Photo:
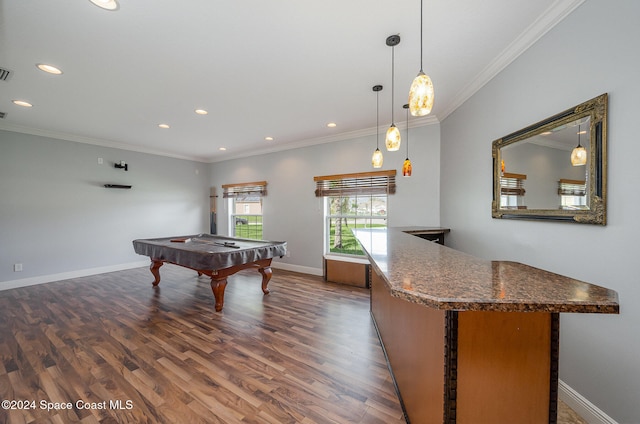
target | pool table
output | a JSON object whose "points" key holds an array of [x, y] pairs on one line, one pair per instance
{"points": [[215, 256]]}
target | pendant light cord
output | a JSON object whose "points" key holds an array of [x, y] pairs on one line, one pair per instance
{"points": [[377, 119], [579, 135], [421, 36], [393, 61], [407, 132]]}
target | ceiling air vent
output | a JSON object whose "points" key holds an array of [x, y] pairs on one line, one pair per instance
{"points": [[5, 74]]}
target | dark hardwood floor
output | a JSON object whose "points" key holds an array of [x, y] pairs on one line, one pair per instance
{"points": [[115, 350], [306, 353]]}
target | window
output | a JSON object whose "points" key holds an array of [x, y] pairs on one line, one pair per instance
{"points": [[245, 208], [572, 194], [512, 191], [353, 201]]}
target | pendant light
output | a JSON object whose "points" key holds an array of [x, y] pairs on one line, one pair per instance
{"points": [[406, 166], [393, 133], [376, 159], [579, 153], [421, 92]]}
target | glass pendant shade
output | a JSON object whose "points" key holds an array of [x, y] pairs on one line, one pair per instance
{"points": [[579, 156], [421, 95], [376, 159], [406, 168], [393, 138]]}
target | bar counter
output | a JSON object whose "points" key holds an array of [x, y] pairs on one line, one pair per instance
{"points": [[443, 278], [470, 340]]}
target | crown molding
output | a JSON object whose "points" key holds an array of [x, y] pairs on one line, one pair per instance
{"points": [[94, 141], [549, 19], [414, 123], [350, 135]]}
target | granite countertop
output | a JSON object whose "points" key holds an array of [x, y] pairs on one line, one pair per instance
{"points": [[427, 273]]}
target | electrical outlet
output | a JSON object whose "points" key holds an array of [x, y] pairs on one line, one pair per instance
{"points": [[17, 267], [100, 161], [288, 254]]}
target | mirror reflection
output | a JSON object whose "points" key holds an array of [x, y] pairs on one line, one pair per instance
{"points": [[548, 170], [555, 169]]}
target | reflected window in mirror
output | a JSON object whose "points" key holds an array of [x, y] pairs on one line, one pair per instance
{"points": [[512, 191], [573, 194]]}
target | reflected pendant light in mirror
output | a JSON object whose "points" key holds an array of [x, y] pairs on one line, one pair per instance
{"points": [[393, 133], [376, 159], [579, 153], [406, 166], [421, 93]]}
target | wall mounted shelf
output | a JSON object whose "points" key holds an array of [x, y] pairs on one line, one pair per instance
{"points": [[117, 186]]}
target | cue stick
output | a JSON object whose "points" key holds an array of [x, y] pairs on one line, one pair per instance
{"points": [[233, 246]]}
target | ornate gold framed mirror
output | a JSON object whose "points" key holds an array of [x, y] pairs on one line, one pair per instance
{"points": [[555, 169]]}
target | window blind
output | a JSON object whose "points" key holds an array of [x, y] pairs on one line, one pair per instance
{"points": [[258, 188], [364, 183], [572, 188], [512, 184]]}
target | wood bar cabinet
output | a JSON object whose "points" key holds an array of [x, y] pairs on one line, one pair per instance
{"points": [[471, 341]]}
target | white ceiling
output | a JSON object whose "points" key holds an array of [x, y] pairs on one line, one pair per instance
{"points": [[280, 68]]}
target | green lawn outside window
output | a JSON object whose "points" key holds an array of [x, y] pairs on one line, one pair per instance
{"points": [[248, 226]]}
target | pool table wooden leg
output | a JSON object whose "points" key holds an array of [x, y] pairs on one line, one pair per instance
{"points": [[266, 276], [218, 286], [155, 270]]}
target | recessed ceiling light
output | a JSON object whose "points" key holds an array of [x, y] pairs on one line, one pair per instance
{"points": [[106, 4], [332, 125], [22, 103], [201, 112], [269, 138], [164, 126], [50, 69], [222, 148]]}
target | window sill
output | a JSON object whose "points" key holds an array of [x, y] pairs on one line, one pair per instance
{"points": [[341, 258]]}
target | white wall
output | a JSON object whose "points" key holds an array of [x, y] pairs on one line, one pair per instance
{"points": [[293, 214], [57, 217], [593, 51]]}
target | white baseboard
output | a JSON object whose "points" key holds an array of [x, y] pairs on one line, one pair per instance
{"points": [[587, 410], [32, 281], [297, 268], [24, 282]]}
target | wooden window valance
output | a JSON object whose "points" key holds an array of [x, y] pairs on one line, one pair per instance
{"points": [[363, 183], [512, 184], [258, 188]]}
